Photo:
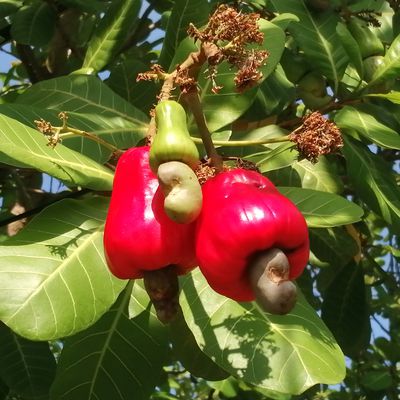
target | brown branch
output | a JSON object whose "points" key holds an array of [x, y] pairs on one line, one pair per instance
{"points": [[34, 69]]}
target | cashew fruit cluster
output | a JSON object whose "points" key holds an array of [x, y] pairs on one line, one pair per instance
{"points": [[249, 240]]}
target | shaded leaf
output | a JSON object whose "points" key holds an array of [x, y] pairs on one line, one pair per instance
{"points": [[345, 309], [316, 36], [54, 279], [183, 13], [4, 390], [321, 209], [333, 246], [116, 358], [351, 47], [351, 118], [110, 32], [190, 355], [374, 182], [33, 24], [28, 368], [280, 157], [377, 380], [283, 353], [83, 94], [8, 7], [32, 151]]}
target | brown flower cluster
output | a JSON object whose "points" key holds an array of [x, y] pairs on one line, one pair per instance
{"points": [[316, 136], [231, 32], [51, 133]]}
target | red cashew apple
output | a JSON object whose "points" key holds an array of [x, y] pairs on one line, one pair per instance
{"points": [[251, 241]]}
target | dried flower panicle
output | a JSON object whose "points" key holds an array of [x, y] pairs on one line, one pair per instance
{"points": [[52, 134], [230, 31], [370, 17], [316, 136], [156, 72]]}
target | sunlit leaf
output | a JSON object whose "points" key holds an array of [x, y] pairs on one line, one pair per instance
{"points": [[54, 279], [284, 353], [393, 96], [316, 36], [322, 209], [116, 358], [110, 33], [351, 118]]}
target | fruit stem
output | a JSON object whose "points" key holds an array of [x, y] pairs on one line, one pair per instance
{"points": [[238, 143], [193, 100]]}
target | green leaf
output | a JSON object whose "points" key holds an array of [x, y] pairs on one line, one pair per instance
{"points": [[190, 355], [54, 279], [110, 33], [34, 23], [28, 368], [183, 13], [374, 181], [116, 358], [280, 157], [353, 119], [377, 380], [123, 81], [67, 165], [391, 64], [8, 7], [4, 390], [115, 130], [321, 209], [284, 20], [393, 96], [228, 105], [84, 94], [287, 353], [345, 309], [351, 47], [316, 36], [320, 176], [333, 246]]}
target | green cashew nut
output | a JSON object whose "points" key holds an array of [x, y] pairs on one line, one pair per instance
{"points": [[182, 191], [172, 141]]}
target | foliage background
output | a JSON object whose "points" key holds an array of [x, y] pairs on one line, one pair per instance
{"points": [[72, 331]]}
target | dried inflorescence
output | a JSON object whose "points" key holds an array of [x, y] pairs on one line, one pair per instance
{"points": [[231, 32], [369, 16], [156, 72], [52, 134], [316, 136]]}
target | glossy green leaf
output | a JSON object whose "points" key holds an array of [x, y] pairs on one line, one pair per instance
{"points": [[320, 176], [116, 358], [317, 37], [123, 81], [54, 279], [345, 309], [391, 64], [28, 368], [184, 12], [393, 96], [374, 181], [117, 131], [84, 94], [281, 156], [67, 165], [284, 20], [353, 119], [287, 354], [190, 355], [34, 23], [322, 209], [110, 33], [351, 47]]}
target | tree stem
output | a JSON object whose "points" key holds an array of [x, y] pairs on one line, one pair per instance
{"points": [[238, 143]]}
